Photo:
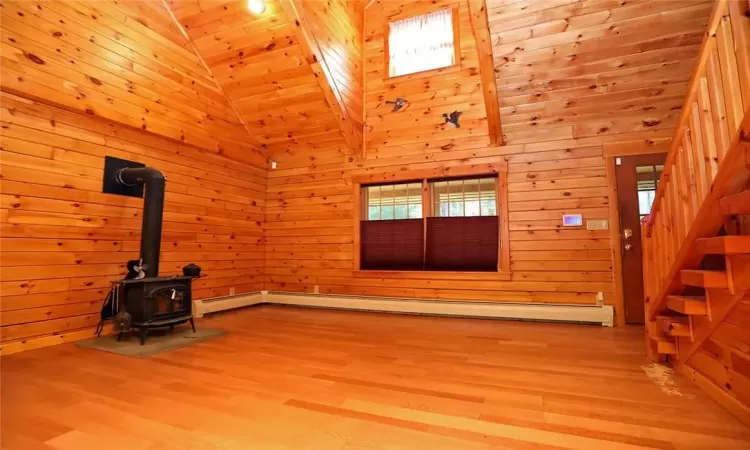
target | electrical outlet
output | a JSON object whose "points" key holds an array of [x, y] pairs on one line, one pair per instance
{"points": [[316, 289], [598, 224], [599, 298], [231, 290]]}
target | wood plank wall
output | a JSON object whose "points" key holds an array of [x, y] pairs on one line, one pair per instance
{"points": [[575, 78], [63, 240], [337, 26], [123, 61]]}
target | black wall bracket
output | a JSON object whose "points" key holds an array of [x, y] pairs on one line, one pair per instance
{"points": [[110, 185]]}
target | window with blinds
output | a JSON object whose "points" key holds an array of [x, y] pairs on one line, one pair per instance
{"points": [[392, 234], [436, 225], [462, 234]]}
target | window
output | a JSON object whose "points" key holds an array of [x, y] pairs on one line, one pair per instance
{"points": [[422, 43], [463, 234], [432, 225], [648, 181]]}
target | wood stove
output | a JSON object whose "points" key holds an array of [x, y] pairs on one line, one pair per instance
{"points": [[152, 301]]}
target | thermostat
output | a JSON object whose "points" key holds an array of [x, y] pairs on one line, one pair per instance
{"points": [[572, 220]]}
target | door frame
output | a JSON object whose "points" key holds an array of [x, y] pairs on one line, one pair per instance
{"points": [[611, 153], [615, 240]]}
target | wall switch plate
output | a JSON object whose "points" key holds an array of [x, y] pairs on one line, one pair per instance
{"points": [[599, 298], [598, 224]]}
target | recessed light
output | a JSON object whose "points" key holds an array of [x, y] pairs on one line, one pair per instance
{"points": [[256, 6]]}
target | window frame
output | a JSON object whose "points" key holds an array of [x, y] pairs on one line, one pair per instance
{"points": [[425, 176], [456, 45]]}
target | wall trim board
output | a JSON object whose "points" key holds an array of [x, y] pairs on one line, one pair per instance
{"points": [[603, 315]]}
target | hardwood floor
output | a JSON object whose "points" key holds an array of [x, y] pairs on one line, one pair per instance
{"points": [[303, 378]]}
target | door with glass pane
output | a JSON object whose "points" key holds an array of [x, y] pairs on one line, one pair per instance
{"points": [[637, 180]]}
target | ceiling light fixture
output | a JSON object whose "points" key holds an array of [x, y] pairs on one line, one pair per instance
{"points": [[256, 6]]}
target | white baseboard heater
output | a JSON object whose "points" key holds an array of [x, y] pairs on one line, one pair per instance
{"points": [[603, 315]]}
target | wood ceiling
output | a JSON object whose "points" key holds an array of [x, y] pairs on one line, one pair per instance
{"points": [[208, 73], [125, 62], [292, 74]]}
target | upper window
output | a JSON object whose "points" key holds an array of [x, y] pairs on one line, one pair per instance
{"points": [[422, 43]]}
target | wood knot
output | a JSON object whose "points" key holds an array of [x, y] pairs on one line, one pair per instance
{"points": [[651, 123], [33, 58]]}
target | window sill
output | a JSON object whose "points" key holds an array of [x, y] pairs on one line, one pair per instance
{"points": [[433, 275], [425, 73]]}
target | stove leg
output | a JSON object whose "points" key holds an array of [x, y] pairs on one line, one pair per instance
{"points": [[144, 333], [192, 324], [119, 336]]}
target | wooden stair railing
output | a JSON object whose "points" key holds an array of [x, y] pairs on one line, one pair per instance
{"points": [[704, 181]]}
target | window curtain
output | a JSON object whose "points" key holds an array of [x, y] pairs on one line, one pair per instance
{"points": [[421, 43]]}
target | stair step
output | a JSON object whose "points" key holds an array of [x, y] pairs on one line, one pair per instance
{"points": [[724, 245], [736, 204], [704, 278], [674, 326], [665, 346], [692, 306]]}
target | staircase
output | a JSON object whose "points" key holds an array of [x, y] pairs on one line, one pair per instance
{"points": [[696, 245]]}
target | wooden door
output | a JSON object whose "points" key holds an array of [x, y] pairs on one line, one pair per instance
{"points": [[637, 180]]}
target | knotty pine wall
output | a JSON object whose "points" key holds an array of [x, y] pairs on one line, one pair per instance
{"points": [[63, 240], [123, 61], [575, 79]]}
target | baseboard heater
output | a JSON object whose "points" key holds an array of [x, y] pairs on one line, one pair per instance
{"points": [[603, 315]]}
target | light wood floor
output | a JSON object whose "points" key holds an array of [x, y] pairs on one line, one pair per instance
{"points": [[303, 378]]}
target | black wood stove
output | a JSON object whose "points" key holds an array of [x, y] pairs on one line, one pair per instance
{"points": [[151, 301]]}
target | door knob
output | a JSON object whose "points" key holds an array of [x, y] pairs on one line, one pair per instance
{"points": [[627, 233], [628, 246]]}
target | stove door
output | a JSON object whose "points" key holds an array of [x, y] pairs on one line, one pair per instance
{"points": [[168, 302]]}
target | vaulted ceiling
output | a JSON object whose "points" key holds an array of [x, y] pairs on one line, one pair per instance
{"points": [[209, 73], [292, 74]]}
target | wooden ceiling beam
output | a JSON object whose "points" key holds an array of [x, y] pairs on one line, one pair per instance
{"points": [[481, 30], [295, 12]]}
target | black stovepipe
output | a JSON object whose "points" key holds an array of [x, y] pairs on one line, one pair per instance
{"points": [[153, 210]]}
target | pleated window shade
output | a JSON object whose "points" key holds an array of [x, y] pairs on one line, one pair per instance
{"points": [[462, 244], [392, 244]]}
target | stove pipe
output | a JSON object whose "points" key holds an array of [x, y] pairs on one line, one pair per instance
{"points": [[153, 210]]}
